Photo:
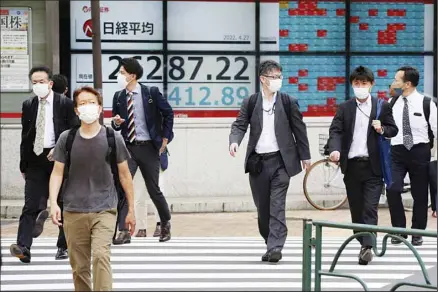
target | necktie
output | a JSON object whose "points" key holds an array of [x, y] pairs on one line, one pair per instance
{"points": [[38, 146], [131, 124], [408, 140]]}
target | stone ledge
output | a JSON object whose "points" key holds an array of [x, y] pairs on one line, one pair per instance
{"points": [[13, 208]]}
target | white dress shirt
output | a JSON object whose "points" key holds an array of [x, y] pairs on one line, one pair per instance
{"points": [[49, 129], [268, 141], [359, 147], [417, 122]]}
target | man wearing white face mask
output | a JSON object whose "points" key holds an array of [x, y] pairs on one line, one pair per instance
{"points": [[44, 117], [278, 148], [90, 163], [145, 120], [353, 142]]}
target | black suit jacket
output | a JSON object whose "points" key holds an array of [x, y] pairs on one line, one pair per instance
{"points": [[64, 118], [158, 114], [342, 128], [291, 138]]}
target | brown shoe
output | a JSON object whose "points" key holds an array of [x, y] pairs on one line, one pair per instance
{"points": [[165, 232], [157, 231], [122, 238], [141, 233]]}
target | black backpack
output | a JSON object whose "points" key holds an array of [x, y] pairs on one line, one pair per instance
{"points": [[426, 110], [284, 99]]}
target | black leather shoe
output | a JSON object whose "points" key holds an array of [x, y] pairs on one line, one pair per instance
{"points": [[39, 223], [397, 241], [20, 252], [123, 238], [365, 255], [417, 240], [61, 254], [165, 232], [265, 257], [275, 255]]}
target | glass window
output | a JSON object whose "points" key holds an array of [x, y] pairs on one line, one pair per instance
{"points": [[211, 25], [302, 26], [318, 82], [391, 26]]}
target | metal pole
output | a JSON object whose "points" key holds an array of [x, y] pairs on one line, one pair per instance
{"points": [[97, 50], [318, 256], [307, 256]]}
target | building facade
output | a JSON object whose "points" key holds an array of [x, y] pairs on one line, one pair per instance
{"points": [[204, 56]]}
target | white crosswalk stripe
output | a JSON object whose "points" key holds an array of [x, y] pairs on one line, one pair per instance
{"points": [[211, 264]]}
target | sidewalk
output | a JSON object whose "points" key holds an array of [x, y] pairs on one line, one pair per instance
{"points": [[235, 224]]}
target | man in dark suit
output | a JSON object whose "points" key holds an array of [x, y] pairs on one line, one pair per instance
{"points": [[44, 117], [146, 120], [277, 147], [353, 141]]}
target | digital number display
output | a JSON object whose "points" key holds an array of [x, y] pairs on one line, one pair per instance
{"points": [[82, 72], [209, 81]]}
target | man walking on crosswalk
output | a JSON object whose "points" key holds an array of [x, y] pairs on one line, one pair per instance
{"points": [[93, 156]]}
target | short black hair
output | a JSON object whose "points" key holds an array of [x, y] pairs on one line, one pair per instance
{"points": [[132, 66], [411, 74], [60, 83], [267, 66], [362, 73], [41, 69]]}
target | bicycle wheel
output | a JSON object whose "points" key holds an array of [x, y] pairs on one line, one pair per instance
{"points": [[323, 185]]}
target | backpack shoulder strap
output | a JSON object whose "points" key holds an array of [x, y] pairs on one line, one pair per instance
{"points": [[379, 108], [251, 105], [393, 101], [426, 108], [112, 154], [68, 146], [285, 99]]}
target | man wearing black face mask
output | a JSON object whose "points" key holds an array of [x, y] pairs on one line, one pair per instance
{"points": [[45, 116], [416, 117]]}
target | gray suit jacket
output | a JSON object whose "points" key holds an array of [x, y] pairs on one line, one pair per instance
{"points": [[292, 139]]}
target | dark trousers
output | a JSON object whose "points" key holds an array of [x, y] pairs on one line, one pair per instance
{"points": [[147, 158], [433, 183], [269, 189], [363, 192], [416, 163], [36, 194], [62, 242]]}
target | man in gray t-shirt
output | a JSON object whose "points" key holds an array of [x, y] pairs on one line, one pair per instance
{"points": [[90, 187], [89, 193]]}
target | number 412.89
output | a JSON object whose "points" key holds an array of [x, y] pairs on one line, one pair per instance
{"points": [[230, 97]]}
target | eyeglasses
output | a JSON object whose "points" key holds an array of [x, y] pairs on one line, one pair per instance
{"points": [[274, 77]]}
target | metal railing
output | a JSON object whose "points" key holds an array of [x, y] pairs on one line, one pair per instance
{"points": [[310, 242]]}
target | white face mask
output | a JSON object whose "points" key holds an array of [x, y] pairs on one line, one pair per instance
{"points": [[88, 113], [361, 92], [41, 89], [275, 85], [121, 80]]}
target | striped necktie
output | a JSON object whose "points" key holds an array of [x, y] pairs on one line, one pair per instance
{"points": [[131, 124]]}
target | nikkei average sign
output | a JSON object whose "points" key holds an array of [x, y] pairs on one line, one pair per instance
{"points": [[125, 25]]}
